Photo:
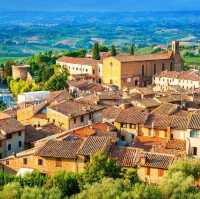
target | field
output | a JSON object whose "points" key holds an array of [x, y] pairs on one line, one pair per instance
{"points": [[25, 33]]}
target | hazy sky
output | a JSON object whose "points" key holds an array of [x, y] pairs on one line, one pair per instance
{"points": [[101, 5]]}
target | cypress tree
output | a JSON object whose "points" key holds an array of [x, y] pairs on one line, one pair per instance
{"points": [[132, 49], [113, 51], [96, 52]]}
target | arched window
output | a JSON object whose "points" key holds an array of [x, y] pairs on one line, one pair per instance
{"points": [[171, 66], [154, 69], [163, 67], [142, 70]]}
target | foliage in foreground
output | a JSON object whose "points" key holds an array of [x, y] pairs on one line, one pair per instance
{"points": [[103, 179]]}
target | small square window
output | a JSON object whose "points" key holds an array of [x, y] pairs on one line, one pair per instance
{"points": [[160, 172], [19, 133], [58, 162], [40, 162], [20, 144], [25, 161], [148, 171], [9, 147]]}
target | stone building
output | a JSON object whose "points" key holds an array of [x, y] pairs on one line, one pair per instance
{"points": [[20, 72], [172, 81], [138, 70], [82, 66]]}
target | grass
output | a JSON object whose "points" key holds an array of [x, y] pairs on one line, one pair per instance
{"points": [[5, 59], [192, 60]]}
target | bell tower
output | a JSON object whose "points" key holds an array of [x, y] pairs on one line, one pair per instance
{"points": [[175, 47]]}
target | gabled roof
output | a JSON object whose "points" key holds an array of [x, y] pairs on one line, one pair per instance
{"points": [[180, 122], [158, 121], [94, 144], [157, 160], [133, 115], [73, 109], [165, 109], [10, 125], [126, 156], [150, 57], [78, 60], [146, 102], [183, 75], [111, 112], [60, 149]]}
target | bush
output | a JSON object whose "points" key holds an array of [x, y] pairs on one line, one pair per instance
{"points": [[66, 182]]}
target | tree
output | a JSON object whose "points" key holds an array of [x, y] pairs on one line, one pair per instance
{"points": [[132, 49], [101, 166], [66, 182], [96, 52], [180, 179], [57, 82], [3, 106], [33, 179], [113, 50], [11, 191], [76, 53], [108, 188]]}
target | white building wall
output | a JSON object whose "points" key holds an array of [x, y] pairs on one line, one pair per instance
{"points": [[77, 69]]}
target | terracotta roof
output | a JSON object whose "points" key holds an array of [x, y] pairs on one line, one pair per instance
{"points": [[126, 156], [165, 109], [94, 144], [60, 149], [180, 122], [58, 96], [111, 112], [11, 125], [150, 57], [73, 109], [102, 127], [12, 112], [133, 115], [194, 122], [157, 160], [158, 121], [183, 75], [146, 102], [78, 60], [170, 98], [33, 135], [146, 143]]}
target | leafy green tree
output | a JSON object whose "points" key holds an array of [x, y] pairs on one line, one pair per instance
{"points": [[76, 53], [142, 191], [131, 176], [32, 193], [101, 166], [66, 182], [103, 48], [113, 50], [108, 188], [180, 178], [57, 82], [33, 179], [96, 52], [11, 191], [6, 178], [3, 106], [132, 49]]}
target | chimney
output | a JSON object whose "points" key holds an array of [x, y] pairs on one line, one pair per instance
{"points": [[175, 47]]}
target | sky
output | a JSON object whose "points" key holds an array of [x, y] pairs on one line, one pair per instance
{"points": [[99, 5]]}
